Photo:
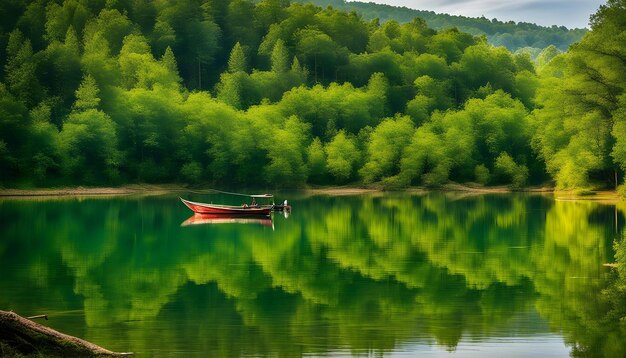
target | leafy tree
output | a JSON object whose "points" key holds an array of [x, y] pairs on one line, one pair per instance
{"points": [[149, 125], [316, 161], [60, 17], [580, 105], [499, 33], [61, 62], [342, 157], [547, 55], [191, 32], [88, 140], [385, 147], [320, 53], [87, 95], [21, 69], [505, 166], [453, 143], [482, 64], [113, 26], [280, 57], [237, 22], [285, 149], [41, 147], [450, 44], [13, 129], [237, 59], [32, 23], [97, 62]]}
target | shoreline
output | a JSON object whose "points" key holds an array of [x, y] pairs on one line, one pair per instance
{"points": [[92, 191], [156, 189]]}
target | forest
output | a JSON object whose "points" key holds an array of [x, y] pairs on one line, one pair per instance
{"points": [[521, 36], [286, 94]]}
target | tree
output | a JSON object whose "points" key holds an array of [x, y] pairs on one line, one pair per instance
{"points": [[113, 26], [237, 59], [97, 61], [21, 69], [88, 140], [343, 157], [59, 18], [280, 57], [506, 167], [579, 116], [316, 161], [320, 53], [87, 95], [385, 147], [13, 132]]}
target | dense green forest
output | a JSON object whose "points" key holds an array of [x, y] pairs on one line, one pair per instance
{"points": [[284, 94], [514, 36]]}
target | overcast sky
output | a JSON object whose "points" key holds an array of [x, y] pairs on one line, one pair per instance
{"points": [[570, 13]]}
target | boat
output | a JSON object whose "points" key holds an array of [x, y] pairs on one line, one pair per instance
{"points": [[201, 219], [204, 208], [285, 207]]}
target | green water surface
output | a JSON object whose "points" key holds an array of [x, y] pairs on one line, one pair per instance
{"points": [[373, 275]]}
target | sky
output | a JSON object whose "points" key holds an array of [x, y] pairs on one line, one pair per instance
{"points": [[569, 13]]}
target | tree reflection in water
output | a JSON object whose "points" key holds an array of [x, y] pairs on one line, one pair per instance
{"points": [[361, 274]]}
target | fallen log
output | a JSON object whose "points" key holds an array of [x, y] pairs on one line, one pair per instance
{"points": [[21, 336]]}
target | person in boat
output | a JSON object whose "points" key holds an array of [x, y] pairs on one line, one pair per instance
{"points": [[254, 204]]}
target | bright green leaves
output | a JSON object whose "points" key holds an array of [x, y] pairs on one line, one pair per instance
{"points": [[343, 156], [285, 147], [88, 141], [506, 167], [619, 133], [316, 161], [347, 100], [237, 59], [59, 18], [460, 140], [579, 121], [139, 69], [113, 26], [89, 146], [280, 57], [337, 107], [87, 95], [384, 149]]}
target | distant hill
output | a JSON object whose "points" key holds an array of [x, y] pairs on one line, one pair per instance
{"points": [[512, 35]]}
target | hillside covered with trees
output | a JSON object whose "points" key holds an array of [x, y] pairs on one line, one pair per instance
{"points": [[512, 35], [284, 94]]}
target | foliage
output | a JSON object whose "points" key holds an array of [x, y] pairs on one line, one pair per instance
{"points": [[579, 120], [509, 34], [242, 92]]}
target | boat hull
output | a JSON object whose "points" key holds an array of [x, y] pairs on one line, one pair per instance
{"points": [[203, 208]]}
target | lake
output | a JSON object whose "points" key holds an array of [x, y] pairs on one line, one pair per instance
{"points": [[393, 274]]}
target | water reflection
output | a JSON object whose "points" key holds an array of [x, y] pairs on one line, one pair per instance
{"points": [[366, 274], [204, 219]]}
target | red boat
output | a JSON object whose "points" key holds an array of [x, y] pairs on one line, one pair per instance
{"points": [[203, 208]]}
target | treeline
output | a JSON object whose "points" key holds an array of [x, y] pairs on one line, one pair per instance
{"points": [[512, 35], [236, 92]]}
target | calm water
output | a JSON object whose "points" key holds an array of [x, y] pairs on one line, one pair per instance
{"points": [[377, 275]]}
